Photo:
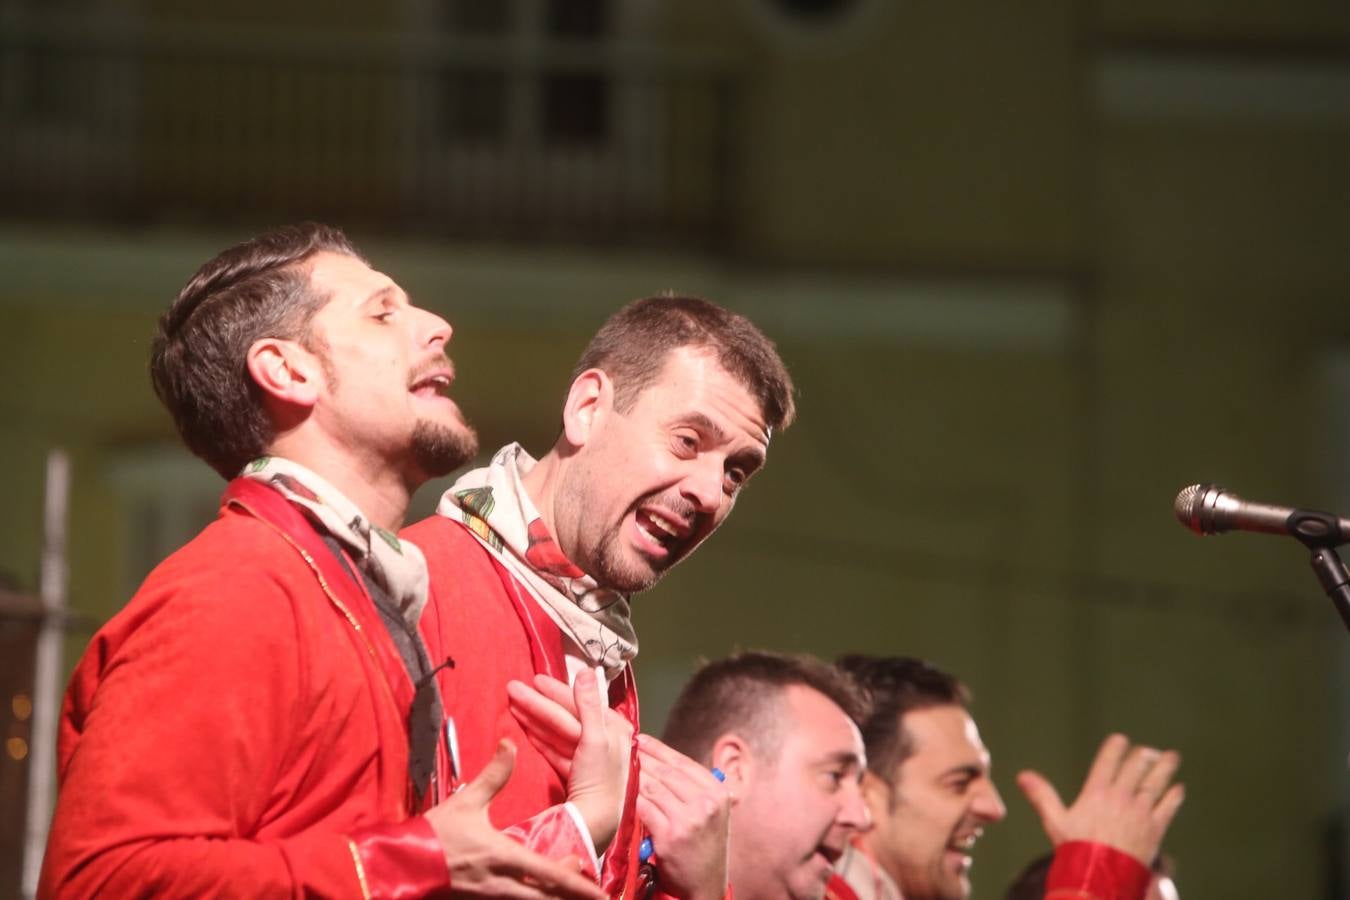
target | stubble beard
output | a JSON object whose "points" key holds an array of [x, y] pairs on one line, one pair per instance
{"points": [[604, 562], [437, 449], [626, 577], [614, 572], [441, 449]]}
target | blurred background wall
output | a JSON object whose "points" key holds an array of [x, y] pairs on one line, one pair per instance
{"points": [[1034, 266]]}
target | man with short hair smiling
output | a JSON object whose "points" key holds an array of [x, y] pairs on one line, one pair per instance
{"points": [[782, 730], [668, 416], [259, 719], [930, 794]]}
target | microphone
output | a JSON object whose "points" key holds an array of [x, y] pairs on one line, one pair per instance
{"points": [[1209, 509]]}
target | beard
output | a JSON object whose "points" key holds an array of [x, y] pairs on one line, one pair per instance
{"points": [[603, 560], [441, 449], [625, 570], [611, 570]]}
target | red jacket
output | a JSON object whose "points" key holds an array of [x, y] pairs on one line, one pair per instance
{"points": [[1081, 870], [238, 728], [493, 631]]}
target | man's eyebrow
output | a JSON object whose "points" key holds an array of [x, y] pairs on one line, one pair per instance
{"points": [[751, 457], [843, 758], [702, 423], [388, 292], [967, 770]]}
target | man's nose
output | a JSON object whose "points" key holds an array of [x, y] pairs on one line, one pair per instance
{"points": [[989, 805], [702, 485], [433, 331], [854, 813]]}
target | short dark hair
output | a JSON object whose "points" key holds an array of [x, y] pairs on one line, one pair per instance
{"points": [[1030, 883], [632, 346], [742, 693], [892, 686], [198, 366]]}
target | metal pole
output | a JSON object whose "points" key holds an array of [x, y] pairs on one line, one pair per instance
{"points": [[47, 674]]}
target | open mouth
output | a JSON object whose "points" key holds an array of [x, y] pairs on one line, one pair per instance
{"points": [[832, 855], [662, 529], [436, 384], [961, 848]]}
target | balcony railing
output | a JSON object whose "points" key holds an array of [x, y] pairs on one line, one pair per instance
{"points": [[145, 121]]}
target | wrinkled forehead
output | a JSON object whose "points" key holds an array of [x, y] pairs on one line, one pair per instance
{"points": [[693, 383]]}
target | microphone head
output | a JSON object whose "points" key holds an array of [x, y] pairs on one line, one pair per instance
{"points": [[1190, 504]]}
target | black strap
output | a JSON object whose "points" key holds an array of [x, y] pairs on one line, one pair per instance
{"points": [[424, 717]]}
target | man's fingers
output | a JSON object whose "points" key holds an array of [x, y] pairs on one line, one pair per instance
{"points": [[1138, 763], [659, 793], [530, 871], [650, 746], [1107, 763], [586, 695], [1167, 807], [537, 883], [1160, 775], [557, 691], [543, 713], [543, 739], [561, 762], [1043, 797], [543, 730], [507, 888], [562, 695], [481, 790], [653, 816], [686, 786]]}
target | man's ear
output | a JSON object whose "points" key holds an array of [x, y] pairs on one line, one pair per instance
{"points": [[284, 371], [731, 753], [589, 399]]}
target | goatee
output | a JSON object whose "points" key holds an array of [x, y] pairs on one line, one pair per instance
{"points": [[440, 449]]}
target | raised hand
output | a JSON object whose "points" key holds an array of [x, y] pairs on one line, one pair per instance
{"points": [[586, 742], [688, 812], [483, 862], [1127, 801]]}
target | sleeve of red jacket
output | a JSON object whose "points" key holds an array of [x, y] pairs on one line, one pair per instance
{"points": [[559, 832], [180, 751], [1083, 870]]}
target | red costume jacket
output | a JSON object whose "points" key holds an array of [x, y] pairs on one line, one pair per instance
{"points": [[239, 728], [1082, 870], [493, 631]]}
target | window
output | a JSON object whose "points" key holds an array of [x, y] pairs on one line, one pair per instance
{"points": [[532, 111]]}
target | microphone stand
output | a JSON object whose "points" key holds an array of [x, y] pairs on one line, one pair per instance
{"points": [[1335, 580], [1321, 534]]}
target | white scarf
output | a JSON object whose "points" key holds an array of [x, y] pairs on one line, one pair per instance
{"points": [[397, 566], [868, 879], [494, 505]]}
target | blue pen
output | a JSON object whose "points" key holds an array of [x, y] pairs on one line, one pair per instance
{"points": [[645, 850]]}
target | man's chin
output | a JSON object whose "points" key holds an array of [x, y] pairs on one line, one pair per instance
{"points": [[441, 449], [626, 576], [808, 885]]}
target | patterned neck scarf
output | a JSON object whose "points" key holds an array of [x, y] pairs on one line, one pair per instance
{"points": [[865, 875], [397, 566], [494, 505]]}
